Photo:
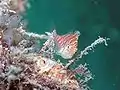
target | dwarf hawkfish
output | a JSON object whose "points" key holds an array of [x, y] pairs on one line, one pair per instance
{"points": [[66, 45]]}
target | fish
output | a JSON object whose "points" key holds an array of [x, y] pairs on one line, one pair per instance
{"points": [[66, 45]]}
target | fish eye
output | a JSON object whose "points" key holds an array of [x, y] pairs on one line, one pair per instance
{"points": [[68, 46]]}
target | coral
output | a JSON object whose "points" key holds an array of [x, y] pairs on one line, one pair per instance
{"points": [[27, 65]]}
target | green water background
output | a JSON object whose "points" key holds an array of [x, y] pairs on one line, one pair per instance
{"points": [[92, 18]]}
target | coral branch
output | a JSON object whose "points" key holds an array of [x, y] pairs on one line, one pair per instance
{"points": [[88, 48], [33, 35]]}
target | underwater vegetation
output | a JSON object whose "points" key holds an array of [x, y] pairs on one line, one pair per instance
{"points": [[29, 63]]}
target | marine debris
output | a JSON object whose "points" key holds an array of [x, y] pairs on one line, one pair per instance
{"points": [[27, 64]]}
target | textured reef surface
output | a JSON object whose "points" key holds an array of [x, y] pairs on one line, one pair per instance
{"points": [[27, 60]]}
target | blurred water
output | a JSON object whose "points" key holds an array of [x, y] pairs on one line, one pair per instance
{"points": [[92, 18]]}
